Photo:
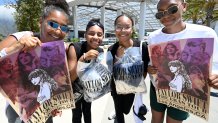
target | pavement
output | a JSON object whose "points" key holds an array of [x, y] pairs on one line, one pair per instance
{"points": [[101, 109]]}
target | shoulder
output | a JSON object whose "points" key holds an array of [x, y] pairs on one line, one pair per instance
{"points": [[201, 29], [18, 35], [155, 33], [114, 46]]}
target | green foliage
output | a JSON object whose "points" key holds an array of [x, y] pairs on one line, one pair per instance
{"points": [[134, 34], [74, 40], [201, 11], [27, 14], [1, 37]]}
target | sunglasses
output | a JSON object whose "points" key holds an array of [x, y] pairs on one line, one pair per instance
{"points": [[169, 11], [56, 25], [93, 23], [120, 27]]}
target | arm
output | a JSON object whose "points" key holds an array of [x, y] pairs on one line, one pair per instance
{"points": [[72, 63], [10, 44], [7, 42]]}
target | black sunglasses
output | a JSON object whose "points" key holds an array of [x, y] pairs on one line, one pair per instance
{"points": [[93, 23], [170, 10], [55, 25]]}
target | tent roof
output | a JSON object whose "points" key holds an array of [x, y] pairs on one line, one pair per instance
{"points": [[88, 9]]}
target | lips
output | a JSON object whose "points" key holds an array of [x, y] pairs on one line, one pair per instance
{"points": [[55, 37]]}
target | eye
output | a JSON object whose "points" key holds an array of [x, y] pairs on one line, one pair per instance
{"points": [[100, 34]]}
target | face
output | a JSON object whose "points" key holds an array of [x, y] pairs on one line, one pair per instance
{"points": [[173, 69], [94, 36], [197, 59], [195, 47], [50, 31], [25, 58], [173, 10], [44, 61], [6, 68], [36, 80], [123, 29], [184, 56], [170, 49], [60, 78], [7, 65], [156, 51]]}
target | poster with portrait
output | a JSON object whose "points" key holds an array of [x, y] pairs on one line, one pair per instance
{"points": [[37, 81], [183, 70]]}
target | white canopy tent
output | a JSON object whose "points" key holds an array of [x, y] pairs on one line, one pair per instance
{"points": [[142, 12]]}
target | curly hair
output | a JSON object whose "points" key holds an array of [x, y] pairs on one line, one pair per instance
{"points": [[51, 5], [44, 75]]}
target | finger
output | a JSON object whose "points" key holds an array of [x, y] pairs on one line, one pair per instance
{"points": [[213, 77], [38, 42]]}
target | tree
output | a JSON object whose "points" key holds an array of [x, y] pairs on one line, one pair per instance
{"points": [[201, 11], [27, 14]]}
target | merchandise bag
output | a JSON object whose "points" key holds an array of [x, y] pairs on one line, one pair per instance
{"points": [[95, 77], [128, 72]]}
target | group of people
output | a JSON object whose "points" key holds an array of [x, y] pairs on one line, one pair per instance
{"points": [[53, 27]]}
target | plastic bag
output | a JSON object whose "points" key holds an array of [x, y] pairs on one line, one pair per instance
{"points": [[128, 72], [95, 77]]}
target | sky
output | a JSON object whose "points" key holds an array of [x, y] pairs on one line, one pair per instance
{"points": [[6, 20], [3, 2]]}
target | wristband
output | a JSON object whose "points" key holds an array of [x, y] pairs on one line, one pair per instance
{"points": [[84, 57], [3, 52], [116, 57]]}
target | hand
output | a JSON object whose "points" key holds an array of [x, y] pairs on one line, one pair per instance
{"points": [[28, 42], [91, 54], [56, 113], [152, 69], [213, 81], [120, 51]]}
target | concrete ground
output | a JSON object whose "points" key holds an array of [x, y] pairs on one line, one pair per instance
{"points": [[102, 107]]}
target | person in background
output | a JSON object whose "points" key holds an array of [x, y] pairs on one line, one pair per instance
{"points": [[53, 26], [84, 52], [170, 15]]}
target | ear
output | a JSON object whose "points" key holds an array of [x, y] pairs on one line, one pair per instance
{"points": [[40, 22], [185, 5]]}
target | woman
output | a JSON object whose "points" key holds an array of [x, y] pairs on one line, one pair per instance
{"points": [[84, 52], [47, 84], [200, 88], [181, 81], [123, 30], [53, 26], [171, 52]]}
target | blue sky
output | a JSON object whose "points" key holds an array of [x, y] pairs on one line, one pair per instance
{"points": [[3, 2]]}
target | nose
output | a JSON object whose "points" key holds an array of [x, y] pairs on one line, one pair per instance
{"points": [[95, 36], [58, 30]]}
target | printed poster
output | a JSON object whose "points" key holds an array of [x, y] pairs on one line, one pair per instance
{"points": [[37, 82], [183, 71]]}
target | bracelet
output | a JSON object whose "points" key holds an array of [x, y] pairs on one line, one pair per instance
{"points": [[3, 52], [84, 57], [116, 57]]}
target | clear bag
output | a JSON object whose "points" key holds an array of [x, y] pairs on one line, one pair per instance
{"points": [[128, 72], [95, 77]]}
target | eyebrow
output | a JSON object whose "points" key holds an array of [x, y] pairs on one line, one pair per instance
{"points": [[173, 4]]}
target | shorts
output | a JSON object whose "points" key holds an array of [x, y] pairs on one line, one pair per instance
{"points": [[174, 113]]}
